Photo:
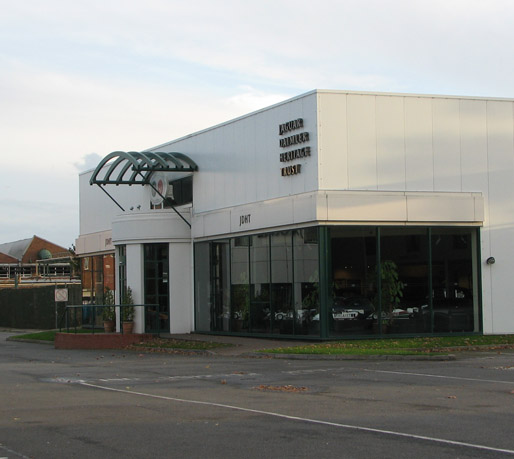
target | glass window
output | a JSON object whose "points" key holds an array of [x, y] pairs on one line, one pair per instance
{"points": [[352, 277], [156, 287], [281, 282], [421, 280], [404, 276], [202, 287], [306, 320], [260, 318], [239, 283], [454, 289], [220, 282]]}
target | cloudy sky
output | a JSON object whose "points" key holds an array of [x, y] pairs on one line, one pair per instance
{"points": [[80, 79]]}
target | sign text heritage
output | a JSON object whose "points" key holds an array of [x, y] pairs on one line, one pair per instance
{"points": [[293, 140]]}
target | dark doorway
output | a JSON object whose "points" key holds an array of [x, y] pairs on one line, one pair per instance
{"points": [[157, 318]]}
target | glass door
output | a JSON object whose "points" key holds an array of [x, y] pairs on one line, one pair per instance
{"points": [[156, 269]]}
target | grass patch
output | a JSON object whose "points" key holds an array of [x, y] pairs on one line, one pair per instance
{"points": [[398, 346], [161, 343], [49, 335]]}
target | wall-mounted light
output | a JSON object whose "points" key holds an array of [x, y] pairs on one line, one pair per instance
{"points": [[490, 261]]}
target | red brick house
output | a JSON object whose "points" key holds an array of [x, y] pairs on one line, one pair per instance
{"points": [[34, 260]]}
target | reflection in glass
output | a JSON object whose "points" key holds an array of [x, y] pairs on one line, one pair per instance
{"points": [[259, 284], [239, 284], [202, 287], [454, 292], [281, 282], [220, 278], [422, 280], [306, 319], [404, 277], [353, 281], [156, 268]]}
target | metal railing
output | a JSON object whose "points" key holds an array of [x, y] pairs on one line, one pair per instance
{"points": [[83, 316]]}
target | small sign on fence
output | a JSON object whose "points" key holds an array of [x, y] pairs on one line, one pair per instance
{"points": [[61, 294]]}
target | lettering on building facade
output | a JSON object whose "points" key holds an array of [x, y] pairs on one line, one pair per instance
{"points": [[244, 219], [291, 141], [290, 126], [291, 170], [295, 154], [294, 139]]}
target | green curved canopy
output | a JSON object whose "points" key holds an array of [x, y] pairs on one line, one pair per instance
{"points": [[136, 168]]}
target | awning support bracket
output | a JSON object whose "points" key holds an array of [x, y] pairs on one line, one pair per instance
{"points": [[115, 202], [165, 199]]}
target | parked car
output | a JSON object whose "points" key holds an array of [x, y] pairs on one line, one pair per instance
{"points": [[352, 308]]}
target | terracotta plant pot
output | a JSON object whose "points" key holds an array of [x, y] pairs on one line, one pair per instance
{"points": [[128, 327], [109, 326]]}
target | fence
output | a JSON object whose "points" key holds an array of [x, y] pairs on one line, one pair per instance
{"points": [[90, 316], [34, 307]]}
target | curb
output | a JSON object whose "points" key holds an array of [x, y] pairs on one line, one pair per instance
{"points": [[25, 340], [169, 350], [434, 358]]}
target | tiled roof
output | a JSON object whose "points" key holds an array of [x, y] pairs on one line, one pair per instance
{"points": [[16, 249]]}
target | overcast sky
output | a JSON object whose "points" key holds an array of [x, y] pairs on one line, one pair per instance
{"points": [[80, 79]]}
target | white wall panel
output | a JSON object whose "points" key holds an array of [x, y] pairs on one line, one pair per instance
{"points": [[304, 207], [473, 129], [153, 226], [500, 145], [94, 243], [418, 144], [239, 161], [441, 208], [373, 206], [390, 124], [181, 280], [267, 185], [333, 142], [362, 144], [446, 134]]}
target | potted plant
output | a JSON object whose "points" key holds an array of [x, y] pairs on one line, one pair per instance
{"points": [[127, 311], [108, 312]]}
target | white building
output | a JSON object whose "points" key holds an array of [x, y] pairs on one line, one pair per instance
{"points": [[331, 214]]}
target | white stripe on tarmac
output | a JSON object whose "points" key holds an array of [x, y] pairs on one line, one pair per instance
{"points": [[441, 376], [10, 451], [312, 421]]}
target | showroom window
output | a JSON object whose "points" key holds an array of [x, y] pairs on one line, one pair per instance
{"points": [[340, 281]]}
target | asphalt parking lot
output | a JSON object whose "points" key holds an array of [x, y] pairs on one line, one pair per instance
{"points": [[115, 404]]}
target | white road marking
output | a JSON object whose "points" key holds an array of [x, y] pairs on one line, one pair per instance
{"points": [[12, 452], [209, 376], [312, 421], [308, 372], [441, 376], [171, 378]]}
